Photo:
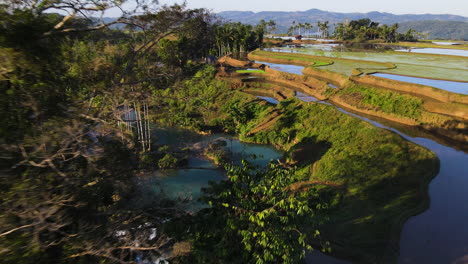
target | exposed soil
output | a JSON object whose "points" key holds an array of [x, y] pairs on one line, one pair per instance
{"points": [[269, 121]]}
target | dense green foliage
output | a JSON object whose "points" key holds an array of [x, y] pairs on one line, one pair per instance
{"points": [[256, 218], [73, 93], [306, 29], [68, 162], [267, 27], [269, 226], [365, 29], [237, 37], [70, 148]]}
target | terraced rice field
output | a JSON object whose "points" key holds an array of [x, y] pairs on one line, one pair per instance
{"points": [[454, 68]]}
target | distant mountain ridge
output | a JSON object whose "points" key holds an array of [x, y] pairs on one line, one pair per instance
{"points": [[333, 17], [285, 19], [454, 30]]}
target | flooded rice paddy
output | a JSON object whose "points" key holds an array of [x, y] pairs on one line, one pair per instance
{"points": [[452, 52], [454, 87], [284, 67], [413, 64]]}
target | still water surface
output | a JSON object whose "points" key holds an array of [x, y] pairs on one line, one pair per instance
{"points": [[453, 52], [284, 67], [187, 183], [454, 87]]}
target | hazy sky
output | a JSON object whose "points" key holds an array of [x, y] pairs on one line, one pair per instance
{"points": [[455, 7]]}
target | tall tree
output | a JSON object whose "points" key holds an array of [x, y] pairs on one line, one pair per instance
{"points": [[307, 27], [67, 166], [271, 27]]}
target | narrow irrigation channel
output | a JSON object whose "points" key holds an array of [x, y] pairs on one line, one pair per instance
{"points": [[438, 235]]}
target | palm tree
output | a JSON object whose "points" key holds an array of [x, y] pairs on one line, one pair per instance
{"points": [[300, 26], [308, 27], [324, 29], [263, 25], [319, 24], [292, 28], [272, 25], [340, 31]]}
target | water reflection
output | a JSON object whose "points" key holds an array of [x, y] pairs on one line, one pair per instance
{"points": [[453, 52], [269, 99], [306, 98], [186, 184], [368, 55], [454, 87], [284, 67]]}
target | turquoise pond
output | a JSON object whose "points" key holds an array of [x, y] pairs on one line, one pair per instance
{"points": [[186, 184]]}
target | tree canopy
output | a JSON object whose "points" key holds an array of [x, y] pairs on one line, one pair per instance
{"points": [[257, 217], [75, 109], [67, 159], [365, 29]]}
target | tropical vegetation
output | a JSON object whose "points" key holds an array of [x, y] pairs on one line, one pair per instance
{"points": [[78, 103], [365, 29]]}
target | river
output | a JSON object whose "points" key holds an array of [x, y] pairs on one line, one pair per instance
{"points": [[438, 235]]}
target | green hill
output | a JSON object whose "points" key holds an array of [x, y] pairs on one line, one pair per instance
{"points": [[454, 30]]}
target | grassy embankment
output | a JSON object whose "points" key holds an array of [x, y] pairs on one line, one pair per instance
{"points": [[385, 177], [386, 105], [385, 101], [429, 45], [364, 98], [267, 89], [250, 71], [343, 66], [285, 58], [307, 61]]}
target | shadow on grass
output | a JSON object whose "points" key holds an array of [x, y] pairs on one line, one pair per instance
{"points": [[366, 224], [309, 150]]}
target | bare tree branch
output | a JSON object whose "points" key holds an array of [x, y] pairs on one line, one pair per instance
{"points": [[64, 20], [16, 229]]}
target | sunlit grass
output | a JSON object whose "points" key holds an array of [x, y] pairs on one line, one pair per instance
{"points": [[432, 45], [250, 71], [315, 62]]}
